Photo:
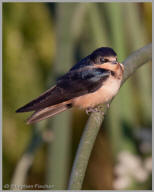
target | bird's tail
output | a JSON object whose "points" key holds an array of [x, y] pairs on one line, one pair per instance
{"points": [[48, 112]]}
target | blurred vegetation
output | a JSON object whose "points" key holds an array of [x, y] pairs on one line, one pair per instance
{"points": [[42, 41]]}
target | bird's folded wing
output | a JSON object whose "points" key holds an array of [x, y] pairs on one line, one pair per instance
{"points": [[73, 84]]}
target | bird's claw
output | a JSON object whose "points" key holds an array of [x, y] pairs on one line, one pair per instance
{"points": [[91, 110]]}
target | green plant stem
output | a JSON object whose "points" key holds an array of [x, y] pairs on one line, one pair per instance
{"points": [[59, 150], [132, 63], [116, 20]]}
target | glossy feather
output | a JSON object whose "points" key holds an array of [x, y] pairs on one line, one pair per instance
{"points": [[93, 80], [71, 85]]}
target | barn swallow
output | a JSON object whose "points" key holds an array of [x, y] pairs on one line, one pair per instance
{"points": [[94, 80]]}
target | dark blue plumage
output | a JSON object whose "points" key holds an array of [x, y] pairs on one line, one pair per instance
{"points": [[86, 77]]}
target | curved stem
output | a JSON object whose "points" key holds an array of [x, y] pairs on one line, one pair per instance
{"points": [[134, 61]]}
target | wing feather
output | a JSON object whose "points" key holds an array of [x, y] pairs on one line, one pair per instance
{"points": [[73, 84]]}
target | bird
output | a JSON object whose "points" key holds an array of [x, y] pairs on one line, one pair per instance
{"points": [[94, 80]]}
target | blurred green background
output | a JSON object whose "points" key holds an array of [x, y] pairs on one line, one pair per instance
{"points": [[41, 41]]}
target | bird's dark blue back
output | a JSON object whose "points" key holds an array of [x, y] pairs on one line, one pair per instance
{"points": [[82, 63]]}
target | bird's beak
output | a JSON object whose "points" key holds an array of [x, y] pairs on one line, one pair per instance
{"points": [[122, 66]]}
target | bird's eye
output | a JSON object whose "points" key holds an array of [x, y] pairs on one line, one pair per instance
{"points": [[103, 60]]}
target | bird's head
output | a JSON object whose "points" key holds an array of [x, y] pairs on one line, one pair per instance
{"points": [[105, 57]]}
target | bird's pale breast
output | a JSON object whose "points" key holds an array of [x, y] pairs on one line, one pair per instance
{"points": [[102, 95]]}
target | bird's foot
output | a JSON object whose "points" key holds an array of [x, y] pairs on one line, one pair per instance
{"points": [[91, 110]]}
